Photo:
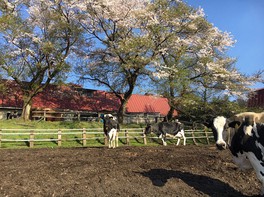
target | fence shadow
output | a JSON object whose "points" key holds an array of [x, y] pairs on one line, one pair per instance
{"points": [[121, 140], [26, 142], [204, 184], [100, 141], [53, 140], [138, 141], [78, 140], [156, 140]]}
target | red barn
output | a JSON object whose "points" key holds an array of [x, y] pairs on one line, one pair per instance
{"points": [[68, 102], [256, 98]]}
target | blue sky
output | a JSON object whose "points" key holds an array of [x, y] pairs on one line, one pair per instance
{"points": [[244, 19]]}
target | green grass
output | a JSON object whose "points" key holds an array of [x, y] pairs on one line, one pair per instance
{"points": [[49, 131], [20, 124]]}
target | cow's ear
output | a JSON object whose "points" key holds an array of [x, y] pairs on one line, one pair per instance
{"points": [[208, 125], [234, 124]]}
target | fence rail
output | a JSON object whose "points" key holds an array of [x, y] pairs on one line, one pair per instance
{"points": [[59, 136]]}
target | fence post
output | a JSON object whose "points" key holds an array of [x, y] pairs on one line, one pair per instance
{"points": [[193, 136], [59, 137], [44, 114], [144, 137], [84, 137], [127, 137], [0, 138], [207, 138], [31, 139]]}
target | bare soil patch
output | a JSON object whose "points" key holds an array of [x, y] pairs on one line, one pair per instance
{"points": [[124, 171]]}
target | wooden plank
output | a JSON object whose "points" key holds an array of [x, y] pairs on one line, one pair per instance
{"points": [[31, 139], [59, 137], [0, 137], [127, 137], [84, 137]]}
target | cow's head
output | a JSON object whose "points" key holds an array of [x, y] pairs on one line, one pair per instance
{"points": [[148, 129], [221, 130]]}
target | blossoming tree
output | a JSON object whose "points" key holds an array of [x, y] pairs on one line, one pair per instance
{"points": [[192, 57], [36, 39], [116, 44], [118, 60], [166, 40]]}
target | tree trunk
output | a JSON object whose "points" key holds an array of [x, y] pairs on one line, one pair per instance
{"points": [[171, 98], [27, 107], [121, 111], [170, 113]]}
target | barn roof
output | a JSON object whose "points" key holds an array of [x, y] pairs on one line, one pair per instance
{"points": [[67, 97], [148, 104], [257, 89]]}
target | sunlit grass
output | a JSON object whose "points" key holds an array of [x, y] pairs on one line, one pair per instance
{"points": [[16, 133]]}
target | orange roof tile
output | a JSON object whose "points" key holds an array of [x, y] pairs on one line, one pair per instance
{"points": [[148, 104]]}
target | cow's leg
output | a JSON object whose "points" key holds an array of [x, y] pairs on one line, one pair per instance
{"points": [[163, 138], [116, 139], [180, 135], [258, 167], [110, 138], [178, 141], [109, 141], [184, 140]]}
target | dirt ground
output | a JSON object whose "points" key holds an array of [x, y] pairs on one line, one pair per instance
{"points": [[125, 171]]}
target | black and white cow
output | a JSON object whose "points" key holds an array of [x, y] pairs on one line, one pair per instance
{"points": [[221, 124], [111, 128], [246, 142], [167, 129]]}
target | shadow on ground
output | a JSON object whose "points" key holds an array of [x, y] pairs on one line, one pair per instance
{"points": [[206, 185]]}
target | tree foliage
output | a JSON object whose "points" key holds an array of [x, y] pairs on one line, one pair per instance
{"points": [[36, 40], [122, 52], [119, 44], [192, 65]]}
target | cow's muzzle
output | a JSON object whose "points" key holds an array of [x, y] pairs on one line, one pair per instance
{"points": [[221, 146]]}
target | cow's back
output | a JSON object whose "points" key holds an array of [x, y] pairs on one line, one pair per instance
{"points": [[170, 127], [257, 117], [110, 124]]}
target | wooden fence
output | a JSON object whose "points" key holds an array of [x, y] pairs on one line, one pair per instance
{"points": [[31, 136]]}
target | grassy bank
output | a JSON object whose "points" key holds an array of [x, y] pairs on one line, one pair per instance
{"points": [[16, 133], [20, 124]]}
